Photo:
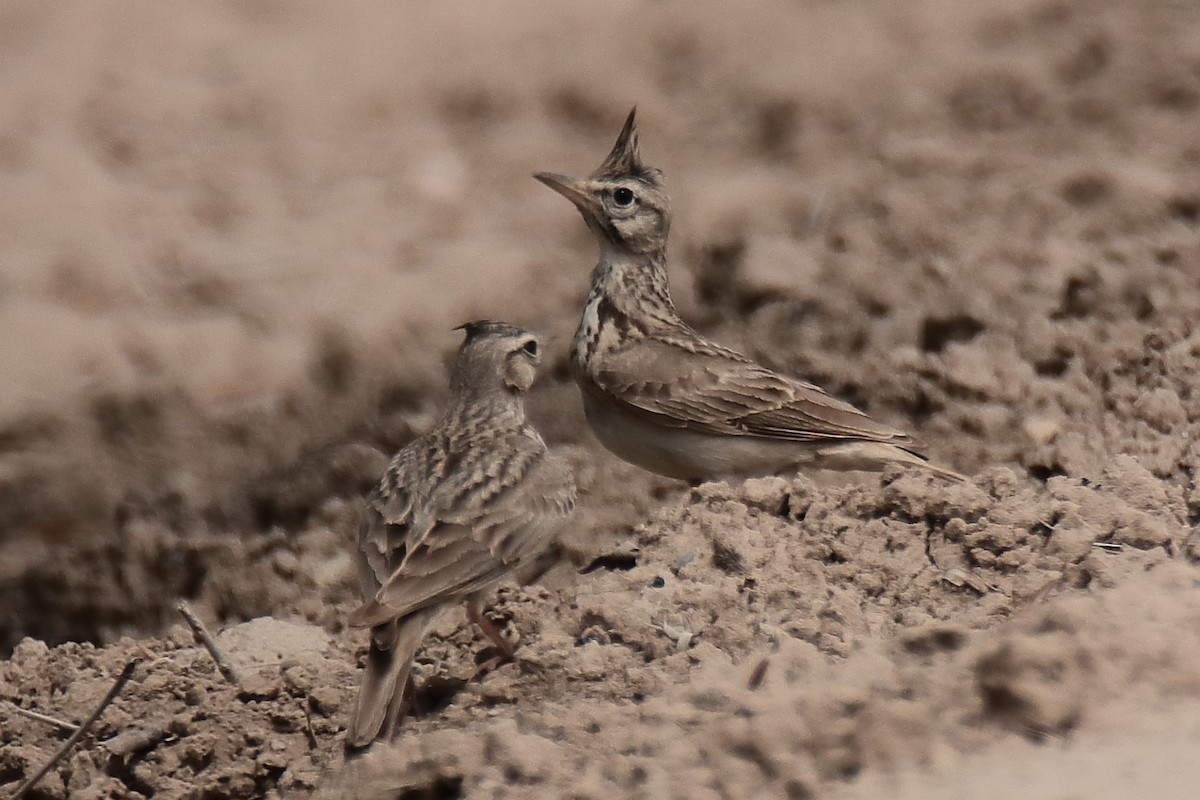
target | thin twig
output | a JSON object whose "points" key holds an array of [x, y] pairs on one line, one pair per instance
{"points": [[122, 679], [206, 641], [69, 727], [308, 726]]}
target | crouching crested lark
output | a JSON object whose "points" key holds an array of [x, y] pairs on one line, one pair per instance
{"points": [[660, 395], [457, 511]]}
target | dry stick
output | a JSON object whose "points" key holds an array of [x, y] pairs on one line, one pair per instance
{"points": [[122, 679], [58, 723], [204, 639]]}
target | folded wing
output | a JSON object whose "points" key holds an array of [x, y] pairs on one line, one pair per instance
{"points": [[707, 388], [464, 552]]}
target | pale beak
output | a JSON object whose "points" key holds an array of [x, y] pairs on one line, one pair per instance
{"points": [[573, 189]]}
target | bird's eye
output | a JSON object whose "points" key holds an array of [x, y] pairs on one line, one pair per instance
{"points": [[623, 196], [530, 347]]}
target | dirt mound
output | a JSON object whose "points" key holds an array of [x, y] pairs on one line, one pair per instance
{"points": [[793, 637]]}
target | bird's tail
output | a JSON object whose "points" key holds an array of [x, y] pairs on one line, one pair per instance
{"points": [[949, 474], [876, 455], [381, 693]]}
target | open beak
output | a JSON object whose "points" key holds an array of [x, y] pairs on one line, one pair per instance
{"points": [[571, 188]]}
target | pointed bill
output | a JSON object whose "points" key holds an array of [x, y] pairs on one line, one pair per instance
{"points": [[573, 189]]}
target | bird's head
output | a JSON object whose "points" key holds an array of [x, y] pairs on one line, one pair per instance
{"points": [[496, 356], [623, 202]]}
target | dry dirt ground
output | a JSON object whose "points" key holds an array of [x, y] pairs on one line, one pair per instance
{"points": [[234, 238]]}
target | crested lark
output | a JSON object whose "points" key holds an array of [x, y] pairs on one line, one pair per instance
{"points": [[660, 395], [457, 511]]}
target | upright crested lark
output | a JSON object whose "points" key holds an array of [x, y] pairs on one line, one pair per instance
{"points": [[457, 511], [660, 395]]}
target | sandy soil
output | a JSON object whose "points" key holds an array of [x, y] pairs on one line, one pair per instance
{"points": [[235, 237]]}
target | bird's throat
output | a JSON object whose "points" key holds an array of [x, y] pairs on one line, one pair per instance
{"points": [[629, 299]]}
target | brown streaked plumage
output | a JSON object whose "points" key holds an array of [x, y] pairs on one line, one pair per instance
{"points": [[660, 395], [457, 511]]}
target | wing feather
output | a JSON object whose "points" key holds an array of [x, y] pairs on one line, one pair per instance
{"points": [[710, 389], [469, 542]]}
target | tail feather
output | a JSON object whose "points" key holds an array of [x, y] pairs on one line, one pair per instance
{"points": [[381, 694], [921, 460], [950, 474], [875, 456]]}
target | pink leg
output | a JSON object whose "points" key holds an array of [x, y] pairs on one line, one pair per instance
{"points": [[506, 648]]}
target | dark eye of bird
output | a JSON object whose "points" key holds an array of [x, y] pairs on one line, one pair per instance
{"points": [[623, 196], [530, 347]]}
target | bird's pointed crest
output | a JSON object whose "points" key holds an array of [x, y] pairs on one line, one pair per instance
{"points": [[624, 158], [485, 327]]}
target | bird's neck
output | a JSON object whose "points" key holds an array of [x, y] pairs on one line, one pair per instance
{"points": [[630, 298], [635, 284], [494, 408]]}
